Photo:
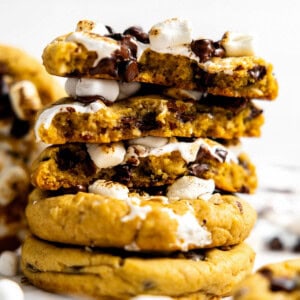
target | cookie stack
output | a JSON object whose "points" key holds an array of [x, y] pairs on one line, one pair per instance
{"points": [[135, 194], [25, 87]]}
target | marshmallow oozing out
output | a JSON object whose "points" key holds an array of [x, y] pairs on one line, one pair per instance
{"points": [[110, 189], [85, 87], [190, 188], [91, 26], [237, 44], [10, 290], [106, 156], [170, 33], [149, 141], [9, 263], [127, 89]]}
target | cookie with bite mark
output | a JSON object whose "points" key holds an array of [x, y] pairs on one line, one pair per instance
{"points": [[110, 216], [168, 56], [114, 274], [279, 280]]}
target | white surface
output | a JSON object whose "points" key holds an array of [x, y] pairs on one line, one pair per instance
{"points": [[32, 24]]}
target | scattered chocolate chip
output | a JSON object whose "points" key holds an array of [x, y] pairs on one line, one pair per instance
{"points": [[148, 122], [122, 174], [106, 66], [198, 169], [275, 244], [203, 48], [257, 72], [67, 159], [138, 33], [130, 71]]}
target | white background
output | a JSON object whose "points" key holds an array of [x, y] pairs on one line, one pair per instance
{"points": [[275, 26]]}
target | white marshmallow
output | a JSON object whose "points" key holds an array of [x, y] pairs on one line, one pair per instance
{"points": [[191, 187], [10, 290], [108, 89], [92, 26], [70, 86], [109, 188], [106, 156], [170, 33], [25, 99], [128, 89], [183, 94], [149, 141], [9, 263], [237, 44]]}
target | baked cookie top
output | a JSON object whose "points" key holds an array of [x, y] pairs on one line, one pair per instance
{"points": [[148, 164], [121, 275], [167, 55], [146, 115], [275, 281], [190, 217]]}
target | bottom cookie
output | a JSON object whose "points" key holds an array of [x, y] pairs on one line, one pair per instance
{"points": [[117, 274], [275, 281]]}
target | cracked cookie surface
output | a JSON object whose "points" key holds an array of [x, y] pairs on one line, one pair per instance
{"points": [[102, 274]]}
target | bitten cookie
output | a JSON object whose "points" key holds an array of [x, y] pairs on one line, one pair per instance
{"points": [[151, 115], [275, 281], [114, 274], [168, 56], [143, 163], [109, 216]]}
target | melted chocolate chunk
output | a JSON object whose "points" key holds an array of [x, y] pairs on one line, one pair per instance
{"points": [[129, 70], [206, 49], [106, 66], [19, 128], [258, 72], [138, 33], [198, 169], [122, 174], [148, 122], [221, 153], [90, 99], [66, 159]]}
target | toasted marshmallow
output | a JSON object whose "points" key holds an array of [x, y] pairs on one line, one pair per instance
{"points": [[25, 99], [149, 141], [10, 290], [92, 26], [109, 188], [106, 156], [9, 263], [103, 46], [170, 33], [237, 44], [191, 187], [128, 89], [85, 87]]}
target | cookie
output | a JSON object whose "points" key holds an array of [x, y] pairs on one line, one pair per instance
{"points": [[14, 189], [143, 163], [115, 274], [275, 281], [152, 115], [168, 56], [110, 216]]}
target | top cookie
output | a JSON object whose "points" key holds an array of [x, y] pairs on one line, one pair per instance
{"points": [[168, 56]]}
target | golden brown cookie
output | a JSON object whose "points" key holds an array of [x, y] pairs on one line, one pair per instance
{"points": [[152, 115], [167, 57], [138, 164], [122, 275], [275, 281], [136, 222]]}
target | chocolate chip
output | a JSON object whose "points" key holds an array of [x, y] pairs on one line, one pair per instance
{"points": [[19, 128], [275, 244], [109, 29], [148, 122], [130, 71], [203, 48], [67, 159], [122, 174], [106, 66], [198, 169], [219, 51], [138, 33], [221, 153], [257, 72]]}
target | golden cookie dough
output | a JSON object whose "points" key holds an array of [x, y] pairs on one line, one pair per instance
{"points": [[144, 116], [70, 165], [145, 223], [18, 65], [245, 76], [275, 281], [207, 274]]}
